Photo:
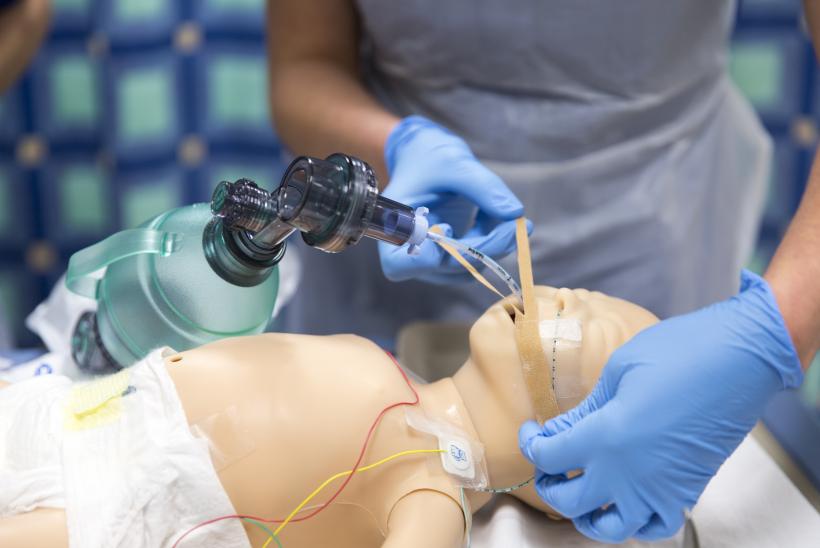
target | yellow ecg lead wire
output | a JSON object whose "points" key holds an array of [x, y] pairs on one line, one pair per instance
{"points": [[334, 477]]}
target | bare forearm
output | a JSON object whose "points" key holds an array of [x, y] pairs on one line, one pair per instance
{"points": [[794, 272], [811, 9], [319, 104], [319, 109], [22, 26]]}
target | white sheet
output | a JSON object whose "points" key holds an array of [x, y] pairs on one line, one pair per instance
{"points": [[749, 503]]}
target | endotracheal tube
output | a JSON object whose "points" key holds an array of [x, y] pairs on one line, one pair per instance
{"points": [[493, 266]]}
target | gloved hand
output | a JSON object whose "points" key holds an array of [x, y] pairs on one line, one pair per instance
{"points": [[671, 405], [431, 167]]}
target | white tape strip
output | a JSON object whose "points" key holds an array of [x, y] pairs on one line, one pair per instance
{"points": [[567, 330]]}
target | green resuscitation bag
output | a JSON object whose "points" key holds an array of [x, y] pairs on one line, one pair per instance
{"points": [[172, 282]]}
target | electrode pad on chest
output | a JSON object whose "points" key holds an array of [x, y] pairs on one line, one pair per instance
{"points": [[461, 457]]}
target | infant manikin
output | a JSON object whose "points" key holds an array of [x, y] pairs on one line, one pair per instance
{"points": [[279, 414], [176, 449]]}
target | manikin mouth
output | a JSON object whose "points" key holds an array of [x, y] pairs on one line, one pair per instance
{"points": [[509, 308]]}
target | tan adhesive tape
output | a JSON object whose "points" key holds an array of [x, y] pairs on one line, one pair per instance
{"points": [[534, 363], [465, 263]]}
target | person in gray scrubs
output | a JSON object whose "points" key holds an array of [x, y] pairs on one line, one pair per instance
{"points": [[641, 167]]}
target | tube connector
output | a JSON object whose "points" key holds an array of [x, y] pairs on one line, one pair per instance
{"points": [[244, 240], [243, 205], [421, 225]]}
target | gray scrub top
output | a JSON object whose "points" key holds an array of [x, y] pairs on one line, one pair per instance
{"points": [[615, 123]]}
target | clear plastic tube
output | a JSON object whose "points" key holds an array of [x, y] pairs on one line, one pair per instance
{"points": [[496, 268]]}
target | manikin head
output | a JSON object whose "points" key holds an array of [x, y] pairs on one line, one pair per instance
{"points": [[605, 322], [492, 381]]}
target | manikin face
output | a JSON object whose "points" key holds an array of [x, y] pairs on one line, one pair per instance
{"points": [[605, 324]]}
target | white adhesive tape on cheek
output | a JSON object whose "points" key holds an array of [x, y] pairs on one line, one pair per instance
{"points": [[564, 330], [561, 339]]}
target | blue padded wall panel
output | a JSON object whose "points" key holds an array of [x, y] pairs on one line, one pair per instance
{"points": [[130, 23], [16, 226], [783, 188], [11, 117], [220, 17], [232, 107], [18, 296], [68, 98], [146, 193], [767, 65], [72, 16], [144, 107], [768, 11], [265, 172], [76, 201]]}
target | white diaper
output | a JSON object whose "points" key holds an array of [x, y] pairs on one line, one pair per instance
{"points": [[118, 455], [31, 474]]}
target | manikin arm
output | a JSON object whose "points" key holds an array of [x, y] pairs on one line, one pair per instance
{"points": [[425, 518], [40, 528]]}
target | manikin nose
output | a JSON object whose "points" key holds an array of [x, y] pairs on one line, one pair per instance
{"points": [[566, 299]]}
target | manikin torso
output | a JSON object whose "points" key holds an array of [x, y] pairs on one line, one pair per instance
{"points": [[285, 412], [304, 405]]}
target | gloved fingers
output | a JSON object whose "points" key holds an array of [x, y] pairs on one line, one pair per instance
{"points": [[499, 243], [658, 528], [528, 430], [609, 524], [570, 497], [484, 225], [398, 265], [562, 452], [431, 264], [484, 188]]}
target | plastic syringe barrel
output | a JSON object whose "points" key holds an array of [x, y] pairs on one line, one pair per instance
{"points": [[392, 222]]}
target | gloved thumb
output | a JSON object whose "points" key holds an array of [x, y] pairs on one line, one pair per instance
{"points": [[562, 443]]}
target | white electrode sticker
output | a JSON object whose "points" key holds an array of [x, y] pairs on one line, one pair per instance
{"points": [[457, 458], [461, 456]]}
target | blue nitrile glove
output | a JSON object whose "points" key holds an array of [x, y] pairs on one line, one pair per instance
{"points": [[431, 167], [671, 405]]}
